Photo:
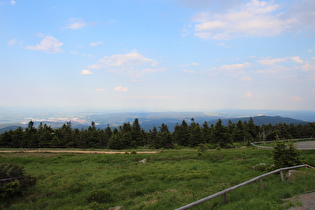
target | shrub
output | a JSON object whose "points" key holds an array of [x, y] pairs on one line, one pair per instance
{"points": [[133, 152], [131, 177], [185, 176], [99, 196], [15, 182], [202, 147], [284, 156], [262, 167]]}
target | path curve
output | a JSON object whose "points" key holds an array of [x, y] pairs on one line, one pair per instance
{"points": [[307, 200], [302, 145], [305, 145]]}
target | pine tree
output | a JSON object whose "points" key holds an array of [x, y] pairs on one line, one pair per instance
{"points": [[220, 135], [137, 134], [196, 136], [284, 156]]}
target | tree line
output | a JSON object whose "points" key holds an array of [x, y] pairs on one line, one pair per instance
{"points": [[132, 135]]}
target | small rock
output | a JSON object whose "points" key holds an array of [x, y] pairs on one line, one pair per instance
{"points": [[259, 166], [116, 208], [144, 161], [290, 174]]}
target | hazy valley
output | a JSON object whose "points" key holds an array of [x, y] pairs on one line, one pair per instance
{"points": [[14, 118]]}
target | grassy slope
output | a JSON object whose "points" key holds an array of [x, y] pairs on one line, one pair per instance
{"points": [[169, 180]]}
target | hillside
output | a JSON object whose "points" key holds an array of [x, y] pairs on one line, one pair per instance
{"points": [[263, 120], [148, 121]]}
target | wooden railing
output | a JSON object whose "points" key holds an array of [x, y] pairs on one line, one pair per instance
{"points": [[10, 179], [224, 192]]}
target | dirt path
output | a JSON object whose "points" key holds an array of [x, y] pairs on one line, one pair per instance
{"points": [[75, 151], [307, 200], [305, 145]]}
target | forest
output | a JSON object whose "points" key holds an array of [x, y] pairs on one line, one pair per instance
{"points": [[132, 135]]}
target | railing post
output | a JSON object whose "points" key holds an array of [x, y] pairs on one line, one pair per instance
{"points": [[261, 184], [225, 199], [281, 174]]}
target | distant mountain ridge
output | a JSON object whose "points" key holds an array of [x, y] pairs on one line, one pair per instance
{"points": [[149, 122], [262, 120]]}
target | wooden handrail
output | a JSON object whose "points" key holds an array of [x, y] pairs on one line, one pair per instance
{"points": [[223, 192], [9, 179]]}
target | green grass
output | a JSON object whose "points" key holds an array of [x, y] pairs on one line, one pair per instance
{"points": [[170, 179]]}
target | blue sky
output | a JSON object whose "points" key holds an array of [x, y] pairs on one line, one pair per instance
{"points": [[158, 54]]}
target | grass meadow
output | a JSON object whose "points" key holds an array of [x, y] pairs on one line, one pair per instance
{"points": [[169, 179]]}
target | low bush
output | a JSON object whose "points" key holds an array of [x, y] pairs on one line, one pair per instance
{"points": [[131, 177], [285, 156], [99, 196], [14, 181]]}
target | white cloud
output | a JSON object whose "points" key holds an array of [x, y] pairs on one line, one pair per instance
{"points": [[131, 64], [94, 44], [101, 90], [121, 89], [12, 2], [308, 67], [297, 59], [273, 70], [256, 18], [272, 61], [234, 70], [141, 72], [95, 66], [190, 64], [188, 71], [130, 59], [76, 23], [86, 72], [232, 67], [12, 42], [152, 70], [88, 55], [203, 35], [248, 95], [49, 44]]}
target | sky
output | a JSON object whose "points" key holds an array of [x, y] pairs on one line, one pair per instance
{"points": [[158, 54]]}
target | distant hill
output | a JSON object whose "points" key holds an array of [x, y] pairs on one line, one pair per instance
{"points": [[13, 127], [262, 120], [148, 121]]}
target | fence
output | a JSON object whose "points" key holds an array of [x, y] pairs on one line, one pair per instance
{"points": [[224, 192]]}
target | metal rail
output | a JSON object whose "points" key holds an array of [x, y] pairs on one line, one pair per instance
{"points": [[223, 192]]}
